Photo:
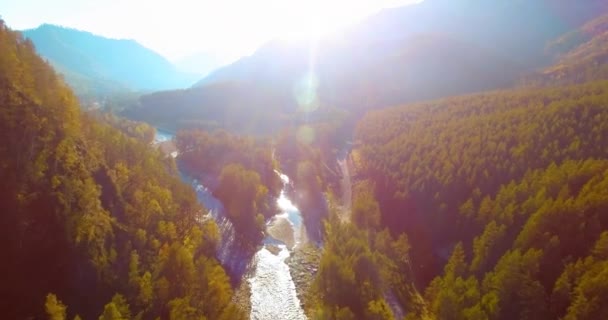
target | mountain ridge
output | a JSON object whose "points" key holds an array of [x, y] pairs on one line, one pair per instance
{"points": [[451, 48], [105, 65]]}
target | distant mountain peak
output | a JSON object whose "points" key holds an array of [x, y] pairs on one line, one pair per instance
{"points": [[96, 65]]}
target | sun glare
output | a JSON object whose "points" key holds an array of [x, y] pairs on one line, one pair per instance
{"points": [[314, 18]]}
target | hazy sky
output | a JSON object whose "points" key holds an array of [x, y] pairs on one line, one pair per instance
{"points": [[178, 28]]}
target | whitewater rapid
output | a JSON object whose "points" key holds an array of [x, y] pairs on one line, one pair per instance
{"points": [[273, 292]]}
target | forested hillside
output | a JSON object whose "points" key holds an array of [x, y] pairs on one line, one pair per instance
{"points": [[364, 271], [511, 184], [582, 55], [93, 222]]}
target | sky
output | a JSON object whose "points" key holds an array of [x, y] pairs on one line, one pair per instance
{"points": [[180, 28]]}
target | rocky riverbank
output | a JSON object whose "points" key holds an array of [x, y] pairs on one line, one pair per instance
{"points": [[281, 229], [303, 266], [242, 296]]}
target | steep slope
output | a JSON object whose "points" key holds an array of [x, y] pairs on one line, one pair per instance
{"points": [[97, 65], [581, 55], [433, 49], [90, 216], [516, 31], [516, 178]]}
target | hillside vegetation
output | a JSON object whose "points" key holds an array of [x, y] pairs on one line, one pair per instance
{"points": [[511, 184], [241, 173], [582, 55], [92, 219]]}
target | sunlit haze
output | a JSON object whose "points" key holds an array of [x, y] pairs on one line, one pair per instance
{"points": [[228, 28]]}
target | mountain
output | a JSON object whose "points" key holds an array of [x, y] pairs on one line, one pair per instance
{"points": [[432, 49], [580, 55], [200, 63], [96, 66]]}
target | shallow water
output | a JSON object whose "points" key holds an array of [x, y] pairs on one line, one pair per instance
{"points": [[230, 255], [273, 292], [162, 136]]}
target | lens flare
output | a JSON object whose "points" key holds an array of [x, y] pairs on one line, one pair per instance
{"points": [[306, 92]]}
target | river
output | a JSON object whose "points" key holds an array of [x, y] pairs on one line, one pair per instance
{"points": [[162, 136], [273, 292]]}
